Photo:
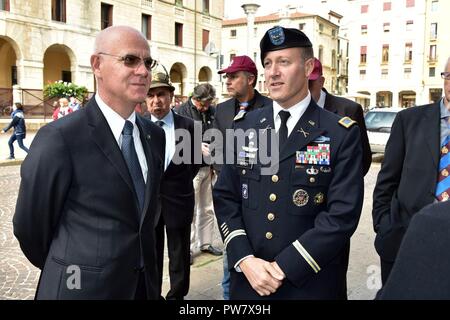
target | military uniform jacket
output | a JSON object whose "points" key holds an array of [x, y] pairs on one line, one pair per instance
{"points": [[302, 216]]}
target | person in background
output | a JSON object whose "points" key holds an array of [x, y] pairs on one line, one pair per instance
{"points": [[74, 104], [414, 173], [241, 77], [199, 108], [63, 110], [20, 130], [342, 107], [177, 198]]}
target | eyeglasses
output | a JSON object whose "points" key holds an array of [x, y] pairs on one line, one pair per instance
{"points": [[132, 61], [445, 75]]}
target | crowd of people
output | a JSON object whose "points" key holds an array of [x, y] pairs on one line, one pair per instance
{"points": [[286, 199]]}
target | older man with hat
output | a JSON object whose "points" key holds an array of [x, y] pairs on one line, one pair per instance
{"points": [[287, 224], [241, 77], [177, 190], [342, 107]]}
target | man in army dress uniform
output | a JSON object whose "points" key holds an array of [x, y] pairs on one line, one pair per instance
{"points": [[287, 233]]}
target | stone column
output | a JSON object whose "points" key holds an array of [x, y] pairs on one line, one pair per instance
{"points": [[250, 11]]}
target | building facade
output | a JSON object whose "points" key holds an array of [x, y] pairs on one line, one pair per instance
{"points": [[323, 33], [397, 50], [44, 41]]}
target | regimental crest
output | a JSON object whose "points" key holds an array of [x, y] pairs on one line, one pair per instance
{"points": [[276, 36], [346, 122]]}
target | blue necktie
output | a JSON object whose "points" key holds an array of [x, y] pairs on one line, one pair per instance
{"points": [[131, 158], [443, 185]]}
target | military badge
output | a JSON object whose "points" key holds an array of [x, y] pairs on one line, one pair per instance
{"points": [[276, 36], [300, 197], [312, 171], [325, 169], [346, 122], [244, 191], [321, 139], [319, 198]]}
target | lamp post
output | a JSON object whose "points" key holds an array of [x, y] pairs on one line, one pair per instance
{"points": [[250, 10]]}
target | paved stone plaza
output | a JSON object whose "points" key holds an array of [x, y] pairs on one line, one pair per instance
{"points": [[18, 278]]}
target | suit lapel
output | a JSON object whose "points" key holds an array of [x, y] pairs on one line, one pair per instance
{"points": [[432, 132], [305, 131], [102, 135]]}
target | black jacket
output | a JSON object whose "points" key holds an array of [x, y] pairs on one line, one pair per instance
{"points": [[348, 108], [225, 113], [18, 123], [77, 208], [407, 180]]}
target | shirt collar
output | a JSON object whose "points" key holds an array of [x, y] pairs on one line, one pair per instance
{"points": [[296, 110], [321, 102], [444, 111], [168, 119], [115, 120]]}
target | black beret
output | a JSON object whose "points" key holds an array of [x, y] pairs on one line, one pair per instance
{"points": [[278, 38]]}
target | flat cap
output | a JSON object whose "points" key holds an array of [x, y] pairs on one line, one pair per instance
{"points": [[278, 38]]}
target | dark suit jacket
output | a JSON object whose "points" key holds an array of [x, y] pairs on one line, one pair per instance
{"points": [[408, 176], [421, 268], [177, 189], [299, 219], [347, 108], [77, 207], [225, 113]]}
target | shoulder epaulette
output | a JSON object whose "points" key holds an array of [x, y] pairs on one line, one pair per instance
{"points": [[346, 122]]}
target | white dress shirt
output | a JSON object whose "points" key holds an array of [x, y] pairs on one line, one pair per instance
{"points": [[296, 111], [116, 123], [169, 129], [321, 102]]}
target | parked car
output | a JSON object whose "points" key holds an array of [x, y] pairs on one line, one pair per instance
{"points": [[379, 122]]}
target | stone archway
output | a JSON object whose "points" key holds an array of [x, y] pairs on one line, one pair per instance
{"points": [[8, 63], [204, 75], [407, 98], [59, 62], [178, 74]]}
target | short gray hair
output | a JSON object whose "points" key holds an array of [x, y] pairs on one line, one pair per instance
{"points": [[204, 92]]}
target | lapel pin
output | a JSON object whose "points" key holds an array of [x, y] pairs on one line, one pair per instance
{"points": [[311, 122], [304, 132], [148, 137], [262, 120]]}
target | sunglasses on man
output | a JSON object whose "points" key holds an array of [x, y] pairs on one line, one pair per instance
{"points": [[132, 61]]}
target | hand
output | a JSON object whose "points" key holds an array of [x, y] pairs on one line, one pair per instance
{"points": [[3, 131], [205, 149], [262, 275]]}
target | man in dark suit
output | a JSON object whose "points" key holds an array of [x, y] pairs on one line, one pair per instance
{"points": [[421, 268], [241, 78], [287, 223], [411, 173], [341, 106], [177, 189], [86, 209]]}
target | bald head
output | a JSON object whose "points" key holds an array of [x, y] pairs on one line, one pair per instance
{"points": [[119, 66], [109, 37]]}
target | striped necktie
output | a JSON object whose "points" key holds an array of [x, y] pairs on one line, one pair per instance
{"points": [[443, 185]]}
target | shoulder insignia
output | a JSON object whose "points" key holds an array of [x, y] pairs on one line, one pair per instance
{"points": [[346, 122]]}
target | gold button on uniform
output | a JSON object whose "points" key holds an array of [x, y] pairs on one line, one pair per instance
{"points": [[269, 235], [272, 197], [271, 217], [244, 172], [275, 178], [312, 179]]}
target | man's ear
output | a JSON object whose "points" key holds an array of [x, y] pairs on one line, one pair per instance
{"points": [[95, 65], [309, 67]]}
